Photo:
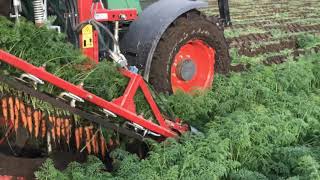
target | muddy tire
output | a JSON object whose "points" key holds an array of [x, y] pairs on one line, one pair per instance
{"points": [[186, 28]]}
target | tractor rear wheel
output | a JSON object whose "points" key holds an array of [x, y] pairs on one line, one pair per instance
{"points": [[191, 50]]}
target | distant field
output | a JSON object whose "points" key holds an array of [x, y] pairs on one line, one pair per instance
{"points": [[267, 31]]}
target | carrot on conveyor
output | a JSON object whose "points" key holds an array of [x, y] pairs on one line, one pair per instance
{"points": [[103, 146], [43, 128], [16, 114], [5, 109], [88, 139], [58, 128], [77, 138], [92, 139], [67, 130], [94, 142], [63, 130], [23, 114], [11, 109], [36, 117], [81, 133], [29, 119], [53, 123]]}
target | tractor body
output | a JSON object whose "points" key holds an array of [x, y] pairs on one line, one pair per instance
{"points": [[168, 43], [132, 32], [134, 39]]}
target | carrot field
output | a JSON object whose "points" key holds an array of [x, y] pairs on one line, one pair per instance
{"points": [[267, 31], [262, 121]]}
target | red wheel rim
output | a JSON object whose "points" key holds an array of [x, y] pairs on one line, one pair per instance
{"points": [[193, 67]]}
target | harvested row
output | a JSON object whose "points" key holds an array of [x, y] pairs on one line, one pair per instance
{"points": [[290, 28], [265, 5], [250, 38], [282, 58], [246, 41], [277, 59], [274, 47], [294, 28], [55, 129], [272, 16], [266, 23]]}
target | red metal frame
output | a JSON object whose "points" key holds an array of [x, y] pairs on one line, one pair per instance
{"points": [[123, 106], [203, 57], [11, 178], [94, 10], [101, 14], [89, 9], [84, 9], [92, 53]]}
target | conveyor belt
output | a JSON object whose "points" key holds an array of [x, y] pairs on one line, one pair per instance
{"points": [[104, 122]]}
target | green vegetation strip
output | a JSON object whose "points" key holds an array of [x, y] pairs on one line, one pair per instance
{"points": [[263, 124]]}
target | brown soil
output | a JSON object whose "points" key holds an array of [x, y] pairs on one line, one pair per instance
{"points": [[282, 58], [25, 167], [275, 47], [294, 28], [254, 24], [267, 24], [256, 37], [279, 59], [240, 67], [275, 60]]}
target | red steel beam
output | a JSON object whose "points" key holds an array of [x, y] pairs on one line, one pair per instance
{"points": [[162, 129]]}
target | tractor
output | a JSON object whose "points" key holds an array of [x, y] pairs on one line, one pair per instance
{"points": [[170, 44]]}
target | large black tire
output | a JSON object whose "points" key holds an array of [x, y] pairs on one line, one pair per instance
{"points": [[189, 26]]}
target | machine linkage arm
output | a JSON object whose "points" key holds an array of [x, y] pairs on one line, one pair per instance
{"points": [[123, 106]]}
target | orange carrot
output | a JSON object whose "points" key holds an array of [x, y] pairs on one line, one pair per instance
{"points": [[88, 136], [16, 114], [43, 128], [5, 109], [36, 118], [63, 130], [81, 133], [11, 104], [77, 136], [58, 128], [94, 142], [29, 119], [67, 129], [40, 120], [103, 146], [23, 114], [53, 123]]}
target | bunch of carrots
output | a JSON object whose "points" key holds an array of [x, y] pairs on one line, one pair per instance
{"points": [[60, 129], [17, 113], [93, 140]]}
